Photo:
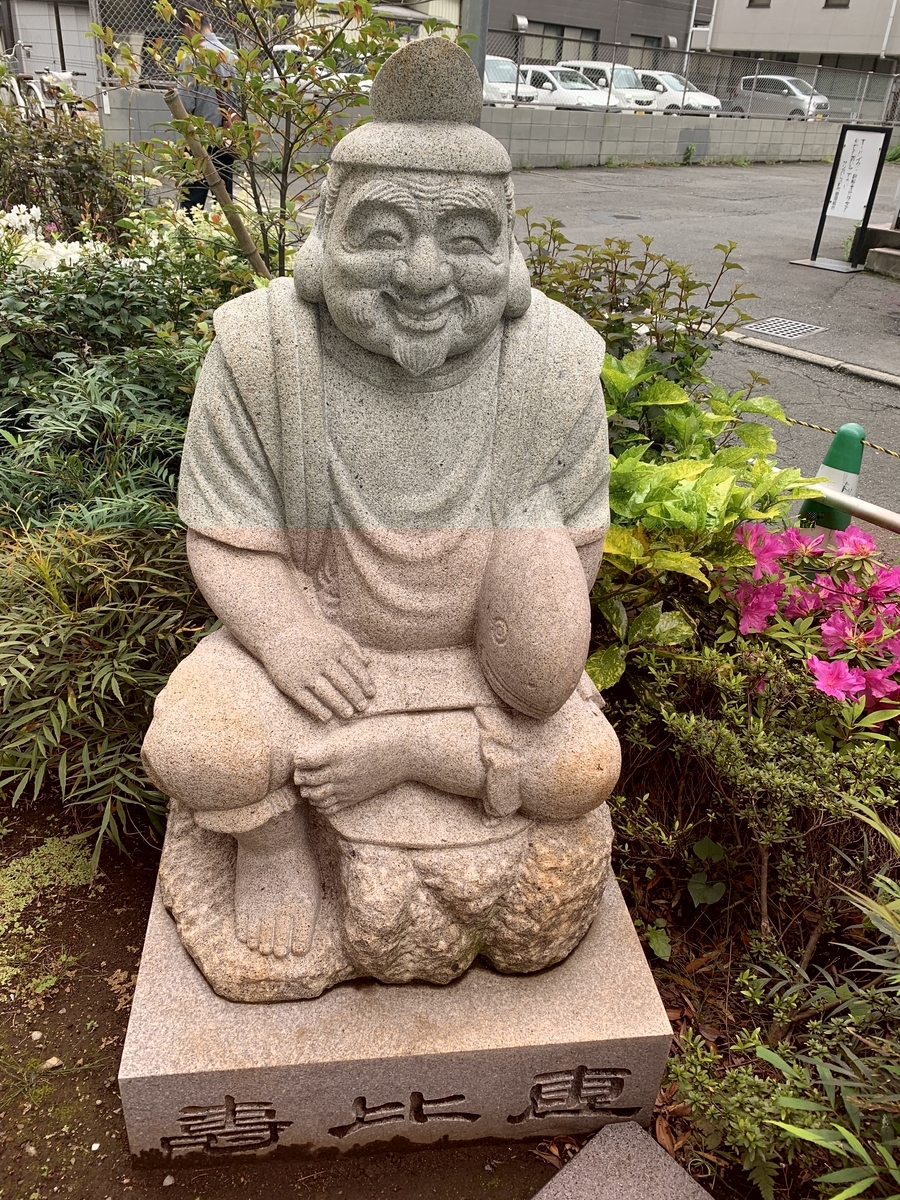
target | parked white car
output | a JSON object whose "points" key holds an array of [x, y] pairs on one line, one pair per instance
{"points": [[565, 88], [500, 83], [674, 93], [621, 85]]}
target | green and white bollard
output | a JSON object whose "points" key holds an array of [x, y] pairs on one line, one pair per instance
{"points": [[841, 468]]}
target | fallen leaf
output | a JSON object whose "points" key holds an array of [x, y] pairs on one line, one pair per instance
{"points": [[674, 1014], [547, 1156], [682, 1109], [664, 1134], [713, 1158], [710, 1032], [697, 964]]}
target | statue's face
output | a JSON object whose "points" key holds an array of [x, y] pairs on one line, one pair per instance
{"points": [[416, 264]]}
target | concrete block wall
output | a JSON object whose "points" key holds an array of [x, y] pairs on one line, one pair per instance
{"points": [[134, 114], [555, 137], [548, 137]]}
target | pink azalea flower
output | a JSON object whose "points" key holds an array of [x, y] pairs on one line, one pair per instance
{"points": [[886, 583], [797, 543], [801, 604], [765, 547], [852, 541], [836, 678], [836, 593], [879, 685], [838, 632], [757, 605]]}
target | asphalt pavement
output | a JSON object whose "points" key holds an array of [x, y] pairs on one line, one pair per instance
{"points": [[772, 213]]}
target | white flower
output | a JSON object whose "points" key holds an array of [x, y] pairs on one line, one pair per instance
{"points": [[20, 219]]}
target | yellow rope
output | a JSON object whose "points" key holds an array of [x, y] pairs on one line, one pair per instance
{"points": [[823, 429]]}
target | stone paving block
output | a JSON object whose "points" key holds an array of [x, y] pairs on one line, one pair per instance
{"points": [[622, 1162]]}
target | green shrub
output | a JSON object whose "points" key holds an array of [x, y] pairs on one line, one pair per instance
{"points": [[96, 602], [61, 164], [91, 625]]}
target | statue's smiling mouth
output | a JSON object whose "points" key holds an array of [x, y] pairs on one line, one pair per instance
{"points": [[422, 318]]}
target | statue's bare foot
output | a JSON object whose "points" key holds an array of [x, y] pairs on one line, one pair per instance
{"points": [[339, 765], [277, 886]]}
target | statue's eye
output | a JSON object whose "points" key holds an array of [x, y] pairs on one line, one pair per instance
{"points": [[466, 244], [382, 239]]}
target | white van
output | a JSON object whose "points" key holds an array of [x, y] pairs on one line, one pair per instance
{"points": [[675, 93], [565, 88], [500, 83], [622, 85]]}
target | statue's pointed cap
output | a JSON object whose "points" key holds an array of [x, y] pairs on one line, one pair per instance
{"points": [[426, 101]]}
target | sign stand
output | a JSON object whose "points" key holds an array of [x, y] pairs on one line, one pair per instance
{"points": [[855, 175]]}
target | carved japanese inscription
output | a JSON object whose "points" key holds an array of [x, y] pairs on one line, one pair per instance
{"points": [[419, 1110], [227, 1128], [580, 1091]]}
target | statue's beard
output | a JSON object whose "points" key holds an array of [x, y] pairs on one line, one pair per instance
{"points": [[365, 318]]}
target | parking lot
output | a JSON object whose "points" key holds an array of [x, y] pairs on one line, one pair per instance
{"points": [[772, 213]]}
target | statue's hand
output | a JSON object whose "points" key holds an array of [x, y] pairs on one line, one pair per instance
{"points": [[321, 668]]}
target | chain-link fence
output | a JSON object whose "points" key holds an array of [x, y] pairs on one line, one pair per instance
{"points": [[659, 80], [136, 24]]}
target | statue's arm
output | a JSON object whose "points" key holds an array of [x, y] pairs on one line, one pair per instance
{"points": [[267, 605], [591, 556]]}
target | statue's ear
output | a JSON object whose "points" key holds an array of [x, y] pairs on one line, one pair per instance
{"points": [[519, 297], [308, 269]]}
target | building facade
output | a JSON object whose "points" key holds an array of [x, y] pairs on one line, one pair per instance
{"points": [[641, 23], [849, 34], [51, 35]]}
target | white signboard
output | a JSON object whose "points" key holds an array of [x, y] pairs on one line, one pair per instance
{"points": [[856, 173]]}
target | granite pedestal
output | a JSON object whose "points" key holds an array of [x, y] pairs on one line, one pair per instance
{"points": [[489, 1056]]}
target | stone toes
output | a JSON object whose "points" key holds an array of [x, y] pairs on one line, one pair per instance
{"points": [[301, 942], [281, 945], [266, 936]]}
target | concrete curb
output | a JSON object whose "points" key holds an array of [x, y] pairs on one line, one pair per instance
{"points": [[817, 360]]}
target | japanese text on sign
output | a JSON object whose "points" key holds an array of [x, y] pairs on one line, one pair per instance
{"points": [[856, 173]]}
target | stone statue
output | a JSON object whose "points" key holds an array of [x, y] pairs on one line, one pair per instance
{"points": [[388, 759]]}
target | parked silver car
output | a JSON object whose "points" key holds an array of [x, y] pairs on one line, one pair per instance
{"points": [[778, 96]]}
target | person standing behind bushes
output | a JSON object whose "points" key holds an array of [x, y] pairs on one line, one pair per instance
{"points": [[210, 103]]}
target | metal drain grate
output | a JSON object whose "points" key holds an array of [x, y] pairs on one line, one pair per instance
{"points": [[783, 328]]}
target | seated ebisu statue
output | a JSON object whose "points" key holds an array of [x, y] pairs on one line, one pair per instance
{"points": [[388, 759]]}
